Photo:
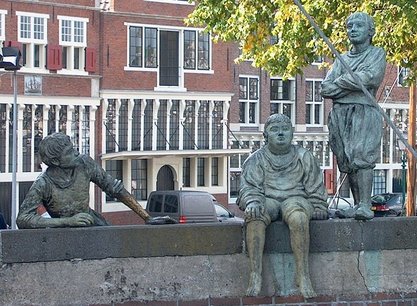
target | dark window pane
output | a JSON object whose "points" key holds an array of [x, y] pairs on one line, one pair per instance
{"points": [[189, 50], [135, 48], [151, 54]]}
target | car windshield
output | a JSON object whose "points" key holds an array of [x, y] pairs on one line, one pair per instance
{"points": [[221, 212], [382, 198]]}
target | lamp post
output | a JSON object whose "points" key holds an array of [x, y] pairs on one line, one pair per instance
{"points": [[402, 148], [9, 60]]}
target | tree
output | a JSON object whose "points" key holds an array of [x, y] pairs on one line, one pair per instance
{"points": [[278, 37]]}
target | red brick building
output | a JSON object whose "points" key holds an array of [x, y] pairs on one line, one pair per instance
{"points": [[156, 102]]}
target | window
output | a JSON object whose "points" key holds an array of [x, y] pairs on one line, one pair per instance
{"points": [[186, 172], [73, 39], [402, 76], [143, 47], [314, 103], [2, 25], [215, 171], [283, 97], [115, 169], [32, 33], [150, 47], [196, 46], [318, 60], [379, 185], [139, 178], [248, 99], [201, 171]]}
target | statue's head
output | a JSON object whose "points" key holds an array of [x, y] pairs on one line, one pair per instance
{"points": [[366, 19], [52, 147], [278, 120]]}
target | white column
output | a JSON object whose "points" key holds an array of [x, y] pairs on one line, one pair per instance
{"points": [[32, 140], [116, 128], [8, 144], [105, 105], [226, 106], [156, 104], [92, 129], [210, 131], [70, 110], [196, 109], [181, 122], [142, 123], [20, 110], [45, 119], [168, 130], [57, 110], [130, 107]]}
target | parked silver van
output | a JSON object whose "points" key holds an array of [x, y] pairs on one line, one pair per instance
{"points": [[184, 206]]}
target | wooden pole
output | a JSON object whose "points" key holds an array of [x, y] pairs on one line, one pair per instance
{"points": [[411, 171]]}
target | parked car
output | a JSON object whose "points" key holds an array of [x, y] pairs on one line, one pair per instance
{"points": [[387, 204], [337, 203], [224, 215], [184, 206]]}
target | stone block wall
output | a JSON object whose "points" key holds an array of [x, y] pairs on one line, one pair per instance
{"points": [[352, 263]]}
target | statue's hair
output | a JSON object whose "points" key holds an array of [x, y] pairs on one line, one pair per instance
{"points": [[52, 146], [277, 118], [368, 19]]}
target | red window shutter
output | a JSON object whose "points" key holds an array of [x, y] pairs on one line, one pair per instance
{"points": [[54, 57], [90, 59], [16, 44], [329, 180]]}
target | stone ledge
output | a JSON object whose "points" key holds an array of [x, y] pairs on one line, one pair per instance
{"points": [[38, 245], [18, 246], [345, 235]]}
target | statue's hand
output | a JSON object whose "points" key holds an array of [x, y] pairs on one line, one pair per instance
{"points": [[117, 186], [320, 215], [254, 210], [81, 219]]}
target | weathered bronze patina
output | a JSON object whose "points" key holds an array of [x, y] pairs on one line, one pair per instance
{"points": [[355, 125], [63, 189], [281, 181]]}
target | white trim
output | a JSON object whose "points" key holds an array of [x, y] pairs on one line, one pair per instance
{"points": [[51, 100], [65, 17], [3, 14], [29, 14], [171, 2], [167, 95], [148, 154]]}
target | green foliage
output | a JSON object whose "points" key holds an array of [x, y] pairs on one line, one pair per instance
{"points": [[278, 37]]}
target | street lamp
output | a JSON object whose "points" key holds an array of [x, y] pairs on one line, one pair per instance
{"points": [[9, 61], [402, 147]]}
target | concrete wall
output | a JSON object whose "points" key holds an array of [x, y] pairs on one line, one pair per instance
{"points": [[120, 264]]}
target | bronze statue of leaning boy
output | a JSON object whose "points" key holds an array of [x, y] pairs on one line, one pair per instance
{"points": [[64, 188]]}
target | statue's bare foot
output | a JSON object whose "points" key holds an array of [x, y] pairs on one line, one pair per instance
{"points": [[255, 284], [306, 288]]}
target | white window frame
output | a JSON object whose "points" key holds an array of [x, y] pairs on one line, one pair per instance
{"points": [[319, 60], [182, 71], [181, 2], [210, 47], [248, 101], [31, 42], [73, 46], [282, 102], [402, 73], [3, 14], [313, 104]]}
